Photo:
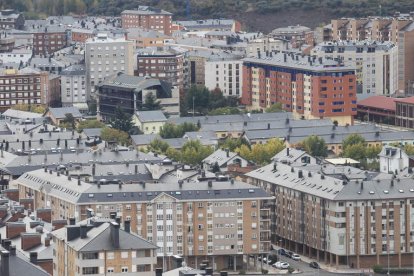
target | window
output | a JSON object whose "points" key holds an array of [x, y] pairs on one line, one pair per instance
{"points": [[124, 254], [110, 255], [90, 270], [110, 270], [124, 269]]}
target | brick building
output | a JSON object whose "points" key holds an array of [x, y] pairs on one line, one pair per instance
{"points": [[27, 86], [47, 40], [147, 18], [349, 221], [404, 112], [219, 220], [306, 86]]}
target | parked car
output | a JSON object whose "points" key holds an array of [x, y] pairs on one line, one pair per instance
{"points": [[295, 257], [282, 252], [281, 265], [314, 265]]}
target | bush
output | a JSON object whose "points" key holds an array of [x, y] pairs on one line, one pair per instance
{"points": [[290, 270], [242, 272], [265, 271]]}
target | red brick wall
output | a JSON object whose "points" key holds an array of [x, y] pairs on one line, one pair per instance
{"points": [[44, 214], [30, 240], [15, 217], [12, 194], [46, 265], [57, 224], [247, 86], [27, 203], [14, 229], [3, 212]]}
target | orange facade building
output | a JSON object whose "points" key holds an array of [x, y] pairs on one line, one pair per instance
{"points": [[309, 87]]}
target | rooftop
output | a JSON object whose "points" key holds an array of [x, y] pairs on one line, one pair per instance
{"points": [[146, 10], [382, 102], [151, 116]]}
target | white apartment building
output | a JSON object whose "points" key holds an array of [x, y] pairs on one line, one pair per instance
{"points": [[73, 87], [105, 57], [376, 64], [225, 74], [265, 44]]}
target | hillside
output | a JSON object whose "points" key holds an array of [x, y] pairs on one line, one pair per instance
{"points": [[254, 14]]}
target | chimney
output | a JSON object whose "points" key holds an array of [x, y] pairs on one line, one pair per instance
{"points": [[180, 183], [33, 257], [362, 185], [4, 269], [83, 231], [47, 241], [287, 151], [79, 181], [12, 250], [72, 221], [115, 234], [136, 169], [274, 166], [127, 226], [210, 184], [227, 153], [300, 174], [268, 126]]}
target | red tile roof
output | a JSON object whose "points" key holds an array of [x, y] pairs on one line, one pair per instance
{"points": [[379, 102], [409, 100]]}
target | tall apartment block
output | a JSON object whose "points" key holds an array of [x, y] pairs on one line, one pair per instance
{"points": [[376, 64], [308, 87], [73, 87], [225, 74], [105, 57], [161, 63], [340, 221], [147, 18], [100, 247], [47, 40], [220, 221], [25, 86]]}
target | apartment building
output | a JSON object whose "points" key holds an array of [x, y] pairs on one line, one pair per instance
{"points": [[217, 220], [25, 86], [161, 63], [265, 44], [147, 18], [349, 221], [306, 86], [129, 92], [10, 19], [297, 35], [376, 64], [404, 112], [225, 74], [73, 87], [105, 57], [146, 38], [49, 39], [99, 246]]}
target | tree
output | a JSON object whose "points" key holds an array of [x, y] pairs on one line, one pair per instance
{"points": [[216, 99], [215, 168], [192, 153], [170, 130], [36, 108], [261, 154], [352, 139], [122, 120], [409, 149], [158, 146], [232, 144], [372, 152], [315, 146], [277, 107], [115, 135], [355, 151], [89, 124], [69, 121], [200, 97], [224, 111], [151, 103]]}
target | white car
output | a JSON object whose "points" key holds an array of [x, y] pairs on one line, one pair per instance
{"points": [[296, 257], [281, 265]]}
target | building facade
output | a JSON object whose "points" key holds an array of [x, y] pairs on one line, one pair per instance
{"points": [[163, 64], [105, 57], [357, 223], [219, 221], [404, 112], [73, 86], [225, 74], [48, 40], [306, 86], [10, 19], [26, 86], [376, 64], [147, 18]]}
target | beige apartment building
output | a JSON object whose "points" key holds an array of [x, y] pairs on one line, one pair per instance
{"points": [[219, 221], [100, 247], [356, 222], [147, 18]]}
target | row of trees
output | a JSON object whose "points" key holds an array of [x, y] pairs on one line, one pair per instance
{"points": [[261, 154], [170, 130], [192, 152]]}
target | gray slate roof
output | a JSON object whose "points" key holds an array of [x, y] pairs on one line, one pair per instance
{"points": [[151, 116], [59, 112]]}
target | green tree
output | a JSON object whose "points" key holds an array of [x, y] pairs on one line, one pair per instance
{"points": [[232, 144], [261, 154], [151, 103], [122, 120], [277, 107], [409, 149], [200, 96], [315, 146], [355, 151], [216, 99], [89, 124], [170, 130], [192, 153], [224, 111], [115, 135], [69, 120], [352, 139], [373, 151], [159, 146]]}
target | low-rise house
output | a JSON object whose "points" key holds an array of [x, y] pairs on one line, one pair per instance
{"points": [[393, 160], [222, 158], [101, 247], [149, 122], [58, 115]]}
